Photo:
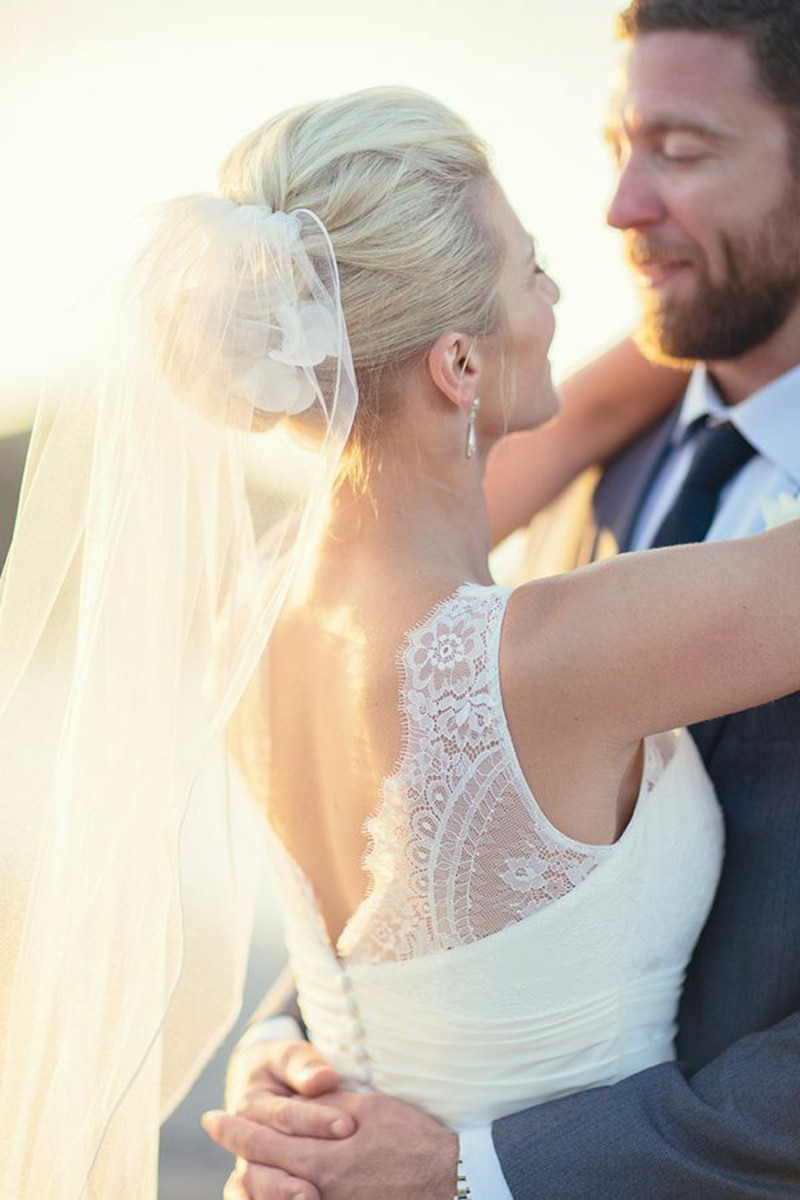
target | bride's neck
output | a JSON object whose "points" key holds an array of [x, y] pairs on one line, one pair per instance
{"points": [[422, 514]]}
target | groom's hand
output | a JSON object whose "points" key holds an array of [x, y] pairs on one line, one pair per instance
{"points": [[273, 1084], [396, 1152]]}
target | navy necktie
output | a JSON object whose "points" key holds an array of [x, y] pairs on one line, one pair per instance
{"points": [[721, 452]]}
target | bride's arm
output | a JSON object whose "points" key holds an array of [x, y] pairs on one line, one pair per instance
{"points": [[646, 642], [605, 405]]}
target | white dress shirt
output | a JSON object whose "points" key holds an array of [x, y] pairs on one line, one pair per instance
{"points": [[770, 420]]}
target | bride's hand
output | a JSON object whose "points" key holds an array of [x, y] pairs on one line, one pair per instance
{"points": [[283, 1076]]}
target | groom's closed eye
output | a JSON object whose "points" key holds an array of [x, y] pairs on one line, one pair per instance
{"points": [[681, 147], [675, 138]]}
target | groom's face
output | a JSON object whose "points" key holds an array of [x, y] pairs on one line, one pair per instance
{"points": [[708, 196]]}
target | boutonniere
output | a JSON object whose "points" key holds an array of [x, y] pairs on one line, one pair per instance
{"points": [[777, 510]]}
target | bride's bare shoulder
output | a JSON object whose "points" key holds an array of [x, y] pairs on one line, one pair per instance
{"points": [[537, 628], [532, 603], [575, 770], [552, 649]]}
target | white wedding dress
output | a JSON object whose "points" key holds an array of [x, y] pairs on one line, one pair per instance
{"points": [[496, 963]]}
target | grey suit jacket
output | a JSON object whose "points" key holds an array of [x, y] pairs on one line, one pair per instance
{"points": [[724, 1121]]}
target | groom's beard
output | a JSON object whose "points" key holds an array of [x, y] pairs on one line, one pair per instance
{"points": [[726, 318]]}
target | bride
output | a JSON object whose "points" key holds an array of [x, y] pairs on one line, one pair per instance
{"points": [[493, 856]]}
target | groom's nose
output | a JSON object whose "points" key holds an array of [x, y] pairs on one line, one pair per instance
{"points": [[636, 202]]}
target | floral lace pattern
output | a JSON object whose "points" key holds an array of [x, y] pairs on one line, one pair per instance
{"points": [[458, 849]]}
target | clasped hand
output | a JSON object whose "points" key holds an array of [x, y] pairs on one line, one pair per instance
{"points": [[296, 1136]]}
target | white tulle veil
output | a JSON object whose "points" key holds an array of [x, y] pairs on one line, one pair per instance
{"points": [[166, 507]]}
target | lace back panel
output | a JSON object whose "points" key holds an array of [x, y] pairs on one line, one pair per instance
{"points": [[458, 848]]}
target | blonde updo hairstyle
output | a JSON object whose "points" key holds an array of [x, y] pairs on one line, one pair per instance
{"points": [[398, 180]]}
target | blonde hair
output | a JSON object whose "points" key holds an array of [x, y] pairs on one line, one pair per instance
{"points": [[397, 179]]}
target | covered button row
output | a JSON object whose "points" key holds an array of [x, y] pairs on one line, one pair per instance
{"points": [[357, 1031]]}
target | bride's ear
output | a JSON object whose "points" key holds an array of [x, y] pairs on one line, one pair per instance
{"points": [[454, 365]]}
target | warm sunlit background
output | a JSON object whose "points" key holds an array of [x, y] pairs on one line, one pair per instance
{"points": [[109, 106]]}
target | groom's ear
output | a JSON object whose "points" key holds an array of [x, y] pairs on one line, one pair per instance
{"points": [[454, 365]]}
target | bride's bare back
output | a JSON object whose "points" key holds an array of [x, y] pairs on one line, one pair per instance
{"points": [[335, 732]]}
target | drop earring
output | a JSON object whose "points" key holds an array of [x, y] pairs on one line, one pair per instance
{"points": [[472, 442]]}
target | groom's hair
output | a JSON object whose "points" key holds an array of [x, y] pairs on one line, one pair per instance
{"points": [[770, 28]]}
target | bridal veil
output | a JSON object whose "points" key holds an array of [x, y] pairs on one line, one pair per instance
{"points": [[168, 503]]}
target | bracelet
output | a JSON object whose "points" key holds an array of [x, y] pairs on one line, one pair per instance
{"points": [[462, 1187]]}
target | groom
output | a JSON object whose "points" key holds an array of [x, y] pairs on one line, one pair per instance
{"points": [[707, 141]]}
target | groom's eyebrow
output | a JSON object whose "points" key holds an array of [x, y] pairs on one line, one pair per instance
{"points": [[615, 126]]}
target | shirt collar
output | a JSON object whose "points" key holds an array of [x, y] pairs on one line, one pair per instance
{"points": [[769, 419]]}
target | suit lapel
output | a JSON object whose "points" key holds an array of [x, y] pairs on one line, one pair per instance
{"points": [[616, 504], [624, 486]]}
